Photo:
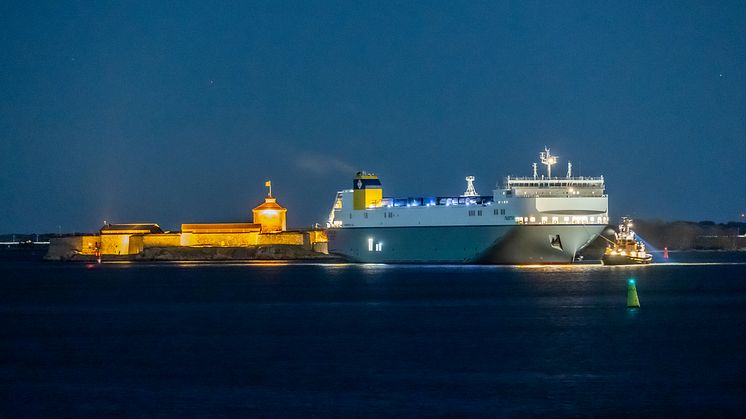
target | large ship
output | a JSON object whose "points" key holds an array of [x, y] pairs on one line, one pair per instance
{"points": [[538, 219]]}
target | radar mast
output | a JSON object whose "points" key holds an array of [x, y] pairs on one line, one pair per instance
{"points": [[470, 191], [548, 159]]}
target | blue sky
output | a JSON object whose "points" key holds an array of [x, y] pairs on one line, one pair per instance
{"points": [[177, 112]]}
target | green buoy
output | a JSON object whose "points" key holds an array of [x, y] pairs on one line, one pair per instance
{"points": [[632, 300]]}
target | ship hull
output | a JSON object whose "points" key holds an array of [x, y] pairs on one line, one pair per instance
{"points": [[492, 244]]}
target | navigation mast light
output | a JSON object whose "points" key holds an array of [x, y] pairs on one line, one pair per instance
{"points": [[548, 159], [470, 191]]}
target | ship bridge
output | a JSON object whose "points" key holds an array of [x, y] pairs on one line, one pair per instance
{"points": [[581, 186], [549, 186]]}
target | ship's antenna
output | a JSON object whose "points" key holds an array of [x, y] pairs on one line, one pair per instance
{"points": [[470, 191], [548, 159], [569, 169], [536, 174]]}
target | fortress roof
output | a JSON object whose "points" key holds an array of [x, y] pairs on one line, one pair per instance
{"points": [[220, 228], [142, 228], [270, 203]]}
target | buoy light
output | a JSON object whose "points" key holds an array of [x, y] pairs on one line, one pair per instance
{"points": [[632, 300]]}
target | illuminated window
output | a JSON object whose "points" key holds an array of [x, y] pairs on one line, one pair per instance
{"points": [[370, 244], [532, 219], [544, 220], [566, 219], [555, 220]]}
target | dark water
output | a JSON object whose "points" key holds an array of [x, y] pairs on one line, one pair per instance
{"points": [[214, 340]]}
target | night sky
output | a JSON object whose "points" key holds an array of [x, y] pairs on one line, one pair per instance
{"points": [[175, 112]]}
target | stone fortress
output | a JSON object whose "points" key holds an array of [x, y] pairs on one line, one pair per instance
{"points": [[148, 240]]}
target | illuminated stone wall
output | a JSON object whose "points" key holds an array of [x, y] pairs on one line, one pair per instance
{"points": [[110, 244], [287, 237], [318, 236], [297, 238], [219, 240], [88, 244], [161, 240], [135, 244], [115, 244]]}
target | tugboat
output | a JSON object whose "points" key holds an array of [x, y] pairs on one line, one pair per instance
{"points": [[626, 250]]}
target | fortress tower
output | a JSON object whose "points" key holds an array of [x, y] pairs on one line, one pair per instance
{"points": [[270, 215]]}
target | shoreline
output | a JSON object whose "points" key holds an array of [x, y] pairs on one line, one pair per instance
{"points": [[283, 253]]}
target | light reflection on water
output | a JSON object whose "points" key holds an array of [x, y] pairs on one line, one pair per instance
{"points": [[376, 267]]}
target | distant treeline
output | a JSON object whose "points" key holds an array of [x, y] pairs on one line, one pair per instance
{"points": [[34, 237], [677, 235], [685, 235]]}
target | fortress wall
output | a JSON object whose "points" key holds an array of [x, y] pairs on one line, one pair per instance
{"points": [[161, 240], [63, 248], [135, 244], [115, 244], [88, 244], [287, 237], [296, 238], [219, 239], [317, 236]]}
